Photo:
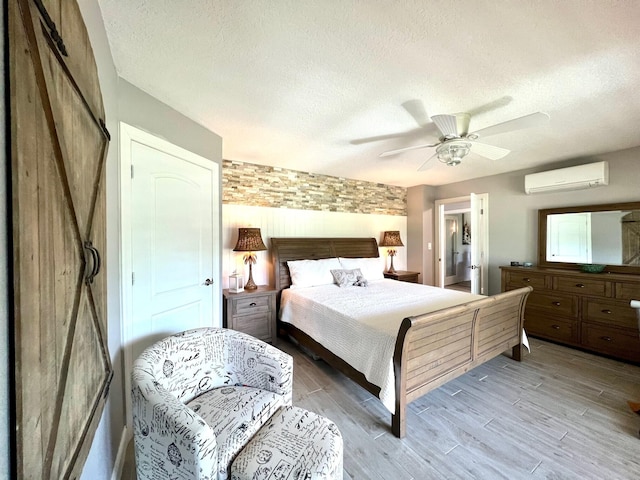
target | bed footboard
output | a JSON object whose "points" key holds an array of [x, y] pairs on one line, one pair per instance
{"points": [[433, 348]]}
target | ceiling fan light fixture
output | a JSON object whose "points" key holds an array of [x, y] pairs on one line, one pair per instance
{"points": [[452, 153]]}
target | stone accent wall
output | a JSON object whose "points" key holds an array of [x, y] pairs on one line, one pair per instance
{"points": [[263, 186]]}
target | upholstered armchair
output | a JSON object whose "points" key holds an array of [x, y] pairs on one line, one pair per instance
{"points": [[199, 396]]}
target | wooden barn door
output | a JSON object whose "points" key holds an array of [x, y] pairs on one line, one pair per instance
{"points": [[631, 238], [58, 149]]}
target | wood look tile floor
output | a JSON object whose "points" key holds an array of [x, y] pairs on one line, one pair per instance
{"points": [[558, 414]]}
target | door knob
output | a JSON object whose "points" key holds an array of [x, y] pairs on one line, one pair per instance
{"points": [[208, 282]]}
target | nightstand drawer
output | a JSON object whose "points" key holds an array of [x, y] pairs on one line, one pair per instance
{"points": [[256, 325], [252, 312], [252, 305]]}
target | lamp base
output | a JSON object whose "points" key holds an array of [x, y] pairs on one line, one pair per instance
{"points": [[392, 254], [250, 285]]}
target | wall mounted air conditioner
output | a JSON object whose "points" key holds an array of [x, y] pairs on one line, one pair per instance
{"points": [[571, 178]]}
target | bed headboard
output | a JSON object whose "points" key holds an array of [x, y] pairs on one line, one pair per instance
{"points": [[304, 248]]}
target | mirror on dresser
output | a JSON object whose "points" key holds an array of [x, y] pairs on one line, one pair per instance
{"points": [[607, 234]]}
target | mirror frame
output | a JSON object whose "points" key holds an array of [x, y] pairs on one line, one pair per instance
{"points": [[542, 235]]}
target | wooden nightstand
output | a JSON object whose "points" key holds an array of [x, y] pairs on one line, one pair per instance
{"points": [[252, 312], [403, 276]]}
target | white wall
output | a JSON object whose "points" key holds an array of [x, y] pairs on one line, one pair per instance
{"points": [[513, 222], [282, 222]]}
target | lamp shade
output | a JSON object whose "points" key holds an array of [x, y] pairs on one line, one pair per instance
{"points": [[391, 239], [249, 240]]}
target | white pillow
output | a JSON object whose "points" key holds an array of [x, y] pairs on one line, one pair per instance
{"points": [[372, 268], [308, 273]]}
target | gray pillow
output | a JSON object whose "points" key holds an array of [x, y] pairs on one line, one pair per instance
{"points": [[349, 278]]}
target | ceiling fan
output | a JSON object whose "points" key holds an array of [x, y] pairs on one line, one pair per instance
{"points": [[456, 142]]}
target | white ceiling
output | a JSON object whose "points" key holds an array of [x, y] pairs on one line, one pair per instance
{"points": [[293, 83]]}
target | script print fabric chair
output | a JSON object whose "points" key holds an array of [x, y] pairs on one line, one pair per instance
{"points": [[198, 397]]}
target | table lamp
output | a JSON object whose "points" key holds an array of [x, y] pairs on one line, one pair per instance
{"points": [[250, 241], [391, 239]]}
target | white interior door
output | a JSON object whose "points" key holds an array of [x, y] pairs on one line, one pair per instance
{"points": [[569, 238], [173, 257], [479, 243], [173, 283]]}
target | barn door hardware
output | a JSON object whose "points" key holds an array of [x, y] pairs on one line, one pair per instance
{"points": [[90, 273]]}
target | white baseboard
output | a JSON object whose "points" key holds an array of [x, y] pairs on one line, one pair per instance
{"points": [[122, 453]]}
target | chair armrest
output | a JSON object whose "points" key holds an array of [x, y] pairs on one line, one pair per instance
{"points": [[168, 435], [260, 365]]}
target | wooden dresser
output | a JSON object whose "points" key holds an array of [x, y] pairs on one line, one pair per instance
{"points": [[586, 310]]}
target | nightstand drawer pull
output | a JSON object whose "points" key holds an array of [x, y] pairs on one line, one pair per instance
{"points": [[557, 304], [606, 310], [605, 338], [252, 304], [555, 327], [526, 280], [580, 285]]}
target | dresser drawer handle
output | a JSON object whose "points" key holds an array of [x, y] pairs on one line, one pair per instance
{"points": [[580, 285], [526, 280], [605, 338], [557, 304], [607, 311], [252, 304], [555, 327]]}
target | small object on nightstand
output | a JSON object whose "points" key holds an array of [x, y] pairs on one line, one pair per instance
{"points": [[236, 283], [403, 276], [252, 312]]}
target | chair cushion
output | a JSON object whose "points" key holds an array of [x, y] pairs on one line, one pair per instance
{"points": [[235, 414]]}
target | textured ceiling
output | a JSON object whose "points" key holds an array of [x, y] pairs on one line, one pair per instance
{"points": [[300, 83]]}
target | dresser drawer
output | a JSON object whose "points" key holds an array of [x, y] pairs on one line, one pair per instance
{"points": [[253, 304], [582, 286], [257, 325], [612, 313], [554, 303], [538, 324], [628, 291], [525, 279], [611, 341]]}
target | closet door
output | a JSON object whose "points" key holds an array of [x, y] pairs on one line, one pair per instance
{"points": [[58, 149]]}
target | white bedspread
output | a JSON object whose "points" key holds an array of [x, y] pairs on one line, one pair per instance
{"points": [[360, 324]]}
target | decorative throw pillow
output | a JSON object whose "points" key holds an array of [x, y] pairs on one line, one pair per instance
{"points": [[372, 268], [348, 278]]}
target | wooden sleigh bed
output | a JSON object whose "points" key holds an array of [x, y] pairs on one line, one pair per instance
{"points": [[427, 354]]}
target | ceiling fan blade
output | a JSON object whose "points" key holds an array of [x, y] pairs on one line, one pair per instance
{"points": [[489, 151], [406, 149], [415, 108], [426, 165], [452, 126], [528, 121], [416, 132]]}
